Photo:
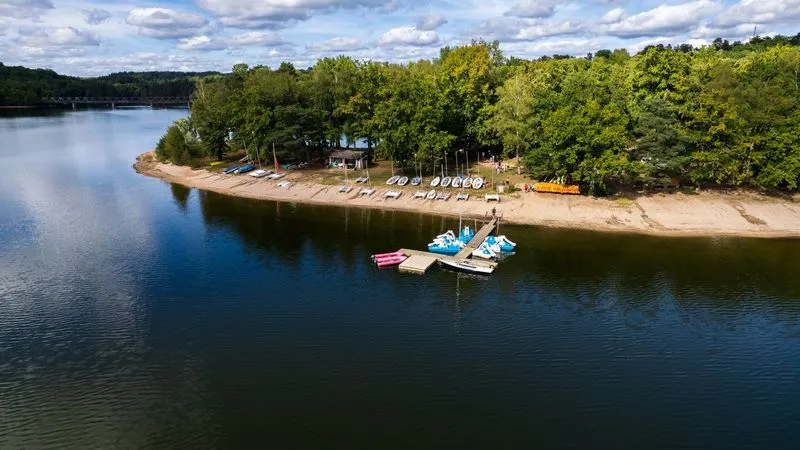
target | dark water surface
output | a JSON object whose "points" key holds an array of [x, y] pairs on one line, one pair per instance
{"points": [[139, 314]]}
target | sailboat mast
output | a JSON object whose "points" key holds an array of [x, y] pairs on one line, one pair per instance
{"points": [[275, 158]]}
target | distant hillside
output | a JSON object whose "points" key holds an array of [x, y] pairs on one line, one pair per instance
{"points": [[23, 86]]}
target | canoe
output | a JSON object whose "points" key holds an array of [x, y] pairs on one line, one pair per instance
{"points": [[402, 181], [435, 182], [416, 181], [446, 181], [431, 195], [466, 267], [246, 168], [456, 182], [390, 261], [387, 255], [230, 169], [477, 183], [392, 180]]}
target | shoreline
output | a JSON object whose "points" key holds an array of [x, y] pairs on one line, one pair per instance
{"points": [[702, 214]]}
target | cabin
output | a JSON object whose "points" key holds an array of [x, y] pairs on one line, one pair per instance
{"points": [[355, 159]]}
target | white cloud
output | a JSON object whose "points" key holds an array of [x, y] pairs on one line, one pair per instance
{"points": [[280, 13], [24, 9], [58, 37], [96, 16], [663, 20], [164, 23], [514, 29], [337, 44], [532, 9], [145, 61], [574, 47], [408, 36], [254, 38], [613, 16], [760, 11], [666, 40], [200, 43], [430, 22], [739, 32]]}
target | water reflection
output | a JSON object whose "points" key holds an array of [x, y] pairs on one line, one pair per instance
{"points": [[639, 276], [181, 195]]}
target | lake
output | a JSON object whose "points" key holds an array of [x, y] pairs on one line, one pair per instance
{"points": [[139, 314]]}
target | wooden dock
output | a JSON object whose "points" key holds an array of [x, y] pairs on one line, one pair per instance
{"points": [[477, 239], [419, 262]]}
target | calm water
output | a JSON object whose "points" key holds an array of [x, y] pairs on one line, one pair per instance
{"points": [[139, 314]]}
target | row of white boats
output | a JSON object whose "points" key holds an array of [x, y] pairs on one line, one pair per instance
{"points": [[268, 174], [455, 182]]}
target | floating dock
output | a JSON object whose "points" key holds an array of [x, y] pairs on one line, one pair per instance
{"points": [[419, 261]]}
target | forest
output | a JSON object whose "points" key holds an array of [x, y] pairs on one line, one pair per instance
{"points": [[726, 114], [20, 86]]}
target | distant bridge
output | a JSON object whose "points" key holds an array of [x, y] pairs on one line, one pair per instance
{"points": [[114, 101]]}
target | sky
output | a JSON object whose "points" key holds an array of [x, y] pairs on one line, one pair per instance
{"points": [[78, 37]]}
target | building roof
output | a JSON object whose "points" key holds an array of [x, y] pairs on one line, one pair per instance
{"points": [[347, 154]]}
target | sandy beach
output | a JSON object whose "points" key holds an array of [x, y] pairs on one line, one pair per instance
{"points": [[701, 214]]}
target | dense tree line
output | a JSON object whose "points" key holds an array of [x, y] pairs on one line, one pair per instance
{"points": [[23, 86], [723, 114]]}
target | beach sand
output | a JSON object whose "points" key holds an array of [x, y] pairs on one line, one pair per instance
{"points": [[701, 214]]}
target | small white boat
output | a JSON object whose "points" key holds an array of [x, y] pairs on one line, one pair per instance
{"points": [[466, 183], [477, 183], [402, 181], [492, 197], [260, 173], [362, 179], [431, 195], [276, 176], [435, 181], [393, 194], [420, 194], [416, 181], [442, 196], [284, 183], [392, 180], [462, 196], [466, 267], [367, 191], [446, 181], [456, 182], [345, 189]]}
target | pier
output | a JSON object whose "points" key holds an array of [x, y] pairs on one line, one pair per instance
{"points": [[477, 239], [420, 261]]}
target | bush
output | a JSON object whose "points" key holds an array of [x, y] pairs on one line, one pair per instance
{"points": [[173, 147]]}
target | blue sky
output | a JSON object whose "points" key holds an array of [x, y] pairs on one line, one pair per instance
{"points": [[80, 37]]}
